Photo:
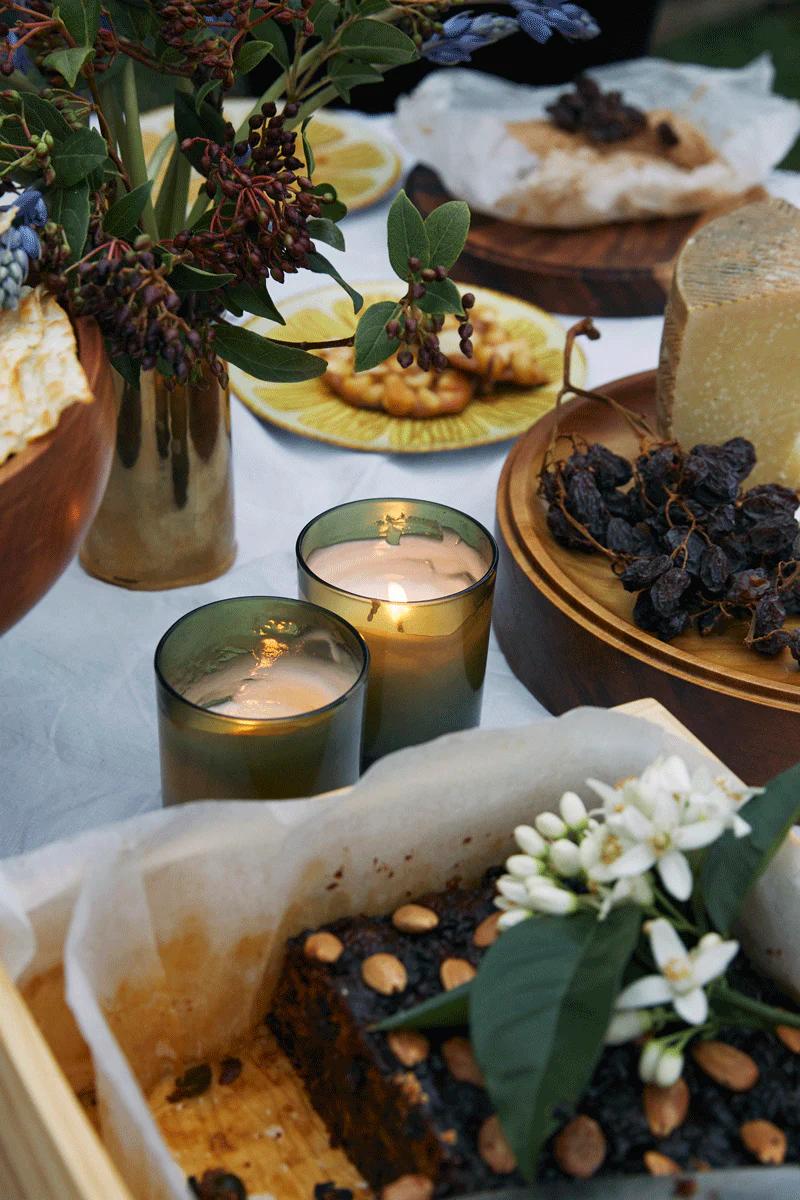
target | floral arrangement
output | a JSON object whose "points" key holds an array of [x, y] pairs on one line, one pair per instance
{"points": [[616, 925], [161, 278]]}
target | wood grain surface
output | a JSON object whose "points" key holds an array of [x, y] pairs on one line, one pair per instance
{"points": [[50, 492], [619, 270], [565, 623]]}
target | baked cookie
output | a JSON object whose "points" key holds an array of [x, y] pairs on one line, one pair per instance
{"points": [[398, 391], [498, 356]]}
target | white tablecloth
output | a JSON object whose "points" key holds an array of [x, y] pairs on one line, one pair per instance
{"points": [[78, 743]]}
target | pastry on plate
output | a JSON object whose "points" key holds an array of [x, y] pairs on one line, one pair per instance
{"points": [[498, 356], [398, 391]]}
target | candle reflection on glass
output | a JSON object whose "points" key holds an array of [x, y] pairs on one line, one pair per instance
{"points": [[259, 698], [416, 579]]}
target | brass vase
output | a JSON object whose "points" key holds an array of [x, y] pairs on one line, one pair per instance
{"points": [[166, 519]]}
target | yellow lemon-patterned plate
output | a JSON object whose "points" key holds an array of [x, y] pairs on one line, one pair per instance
{"points": [[360, 164], [312, 410]]}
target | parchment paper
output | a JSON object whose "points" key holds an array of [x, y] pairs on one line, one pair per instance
{"points": [[455, 121], [172, 925]]}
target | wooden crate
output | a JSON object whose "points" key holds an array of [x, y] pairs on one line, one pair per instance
{"points": [[48, 1147]]}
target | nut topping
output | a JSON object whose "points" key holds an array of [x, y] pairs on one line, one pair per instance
{"points": [[764, 1140], [665, 1107], [660, 1164], [461, 1061], [323, 947], [414, 918], [580, 1147], [409, 1047], [408, 1187], [384, 973], [455, 971], [790, 1036], [486, 933], [494, 1149], [726, 1065]]}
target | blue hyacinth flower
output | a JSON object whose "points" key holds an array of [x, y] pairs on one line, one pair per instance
{"points": [[31, 207], [465, 33], [540, 20]]}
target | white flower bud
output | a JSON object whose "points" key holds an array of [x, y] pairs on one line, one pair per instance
{"points": [[513, 889], [641, 891], [550, 826], [573, 810], [625, 1026], [522, 865], [708, 941], [565, 858], [669, 1068], [513, 917], [649, 1060], [529, 841], [545, 897]]}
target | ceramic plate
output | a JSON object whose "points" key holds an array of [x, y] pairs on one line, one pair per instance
{"points": [[313, 411]]}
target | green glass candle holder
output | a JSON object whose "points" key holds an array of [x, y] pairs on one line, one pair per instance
{"points": [[259, 698], [427, 654]]}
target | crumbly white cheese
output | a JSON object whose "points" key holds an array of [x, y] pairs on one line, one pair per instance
{"points": [[40, 375], [730, 354]]}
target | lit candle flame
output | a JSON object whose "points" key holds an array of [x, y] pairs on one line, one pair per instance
{"points": [[398, 597]]}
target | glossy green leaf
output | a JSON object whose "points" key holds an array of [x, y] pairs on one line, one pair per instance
{"points": [[68, 62], [41, 114], [447, 228], [442, 1011], [250, 55], [321, 266], [204, 91], [324, 17], [373, 344], [539, 1009], [441, 296], [346, 73], [377, 42], [69, 208], [125, 366], [77, 156], [732, 865], [82, 19], [204, 121], [322, 229], [187, 279], [308, 152], [333, 209], [263, 358], [124, 214], [256, 300], [272, 32], [407, 236]]}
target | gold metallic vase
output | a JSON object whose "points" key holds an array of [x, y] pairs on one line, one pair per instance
{"points": [[166, 519]]}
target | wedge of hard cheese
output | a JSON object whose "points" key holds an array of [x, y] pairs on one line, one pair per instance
{"points": [[730, 353]]}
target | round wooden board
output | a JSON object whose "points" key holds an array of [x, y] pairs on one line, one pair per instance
{"points": [[621, 270], [565, 624]]}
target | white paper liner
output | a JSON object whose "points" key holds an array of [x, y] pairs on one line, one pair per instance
{"points": [[455, 121], [172, 925]]}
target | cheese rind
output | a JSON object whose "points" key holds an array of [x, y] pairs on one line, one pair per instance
{"points": [[730, 352]]}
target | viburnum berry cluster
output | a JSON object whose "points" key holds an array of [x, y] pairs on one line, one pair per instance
{"points": [[683, 535], [259, 227], [418, 331]]}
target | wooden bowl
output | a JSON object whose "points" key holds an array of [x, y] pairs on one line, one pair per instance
{"points": [[50, 492], [565, 625]]}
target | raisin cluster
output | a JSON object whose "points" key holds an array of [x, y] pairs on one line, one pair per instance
{"points": [[259, 227], [419, 331], [681, 534], [602, 117], [217, 1184]]}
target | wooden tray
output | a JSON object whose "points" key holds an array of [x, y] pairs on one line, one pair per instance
{"points": [[564, 622], [50, 1151], [621, 270]]}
